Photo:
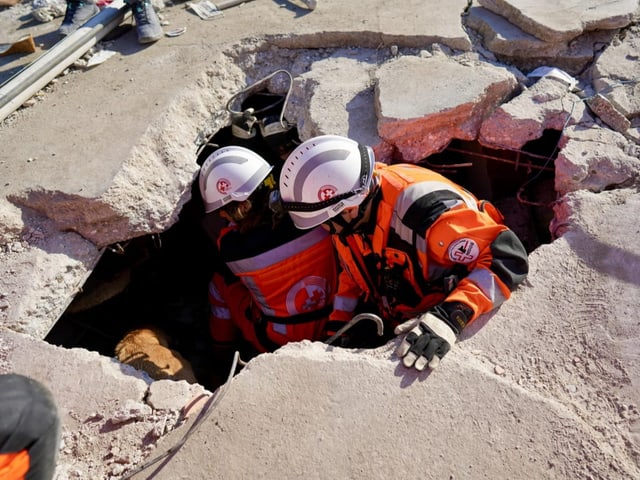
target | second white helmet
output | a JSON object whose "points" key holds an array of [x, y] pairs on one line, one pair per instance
{"points": [[323, 176], [231, 174]]}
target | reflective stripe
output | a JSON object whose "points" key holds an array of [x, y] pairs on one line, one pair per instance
{"points": [[218, 311], [414, 192], [257, 294], [346, 304], [213, 291], [280, 253], [485, 280], [279, 328], [222, 313]]}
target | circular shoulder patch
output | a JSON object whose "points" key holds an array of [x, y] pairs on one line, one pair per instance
{"points": [[463, 250], [307, 295]]}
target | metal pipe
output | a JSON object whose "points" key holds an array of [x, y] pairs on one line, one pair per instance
{"points": [[224, 4], [22, 86], [361, 316]]}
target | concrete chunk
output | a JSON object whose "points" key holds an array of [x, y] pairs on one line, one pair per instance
{"points": [[563, 20], [608, 113], [596, 159], [616, 73], [424, 103], [547, 104], [331, 94], [511, 44]]}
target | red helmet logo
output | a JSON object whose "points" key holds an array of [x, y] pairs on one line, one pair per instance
{"points": [[223, 185], [326, 192]]}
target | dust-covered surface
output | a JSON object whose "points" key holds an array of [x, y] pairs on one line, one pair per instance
{"points": [[547, 387], [112, 415]]}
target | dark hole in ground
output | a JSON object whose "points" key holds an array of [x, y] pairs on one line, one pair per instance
{"points": [[519, 182], [163, 279], [159, 280]]}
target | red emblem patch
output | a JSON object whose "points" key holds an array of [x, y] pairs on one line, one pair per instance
{"points": [[307, 295], [464, 250], [326, 192], [223, 185]]}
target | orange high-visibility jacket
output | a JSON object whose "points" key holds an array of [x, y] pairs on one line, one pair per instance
{"points": [[286, 295], [433, 241], [14, 466]]}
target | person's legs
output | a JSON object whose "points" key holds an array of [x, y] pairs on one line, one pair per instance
{"points": [[29, 420], [78, 12], [148, 25]]}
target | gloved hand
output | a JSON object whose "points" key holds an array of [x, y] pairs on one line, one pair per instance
{"points": [[428, 340]]}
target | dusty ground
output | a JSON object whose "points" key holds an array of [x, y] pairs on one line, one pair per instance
{"points": [[547, 387]]}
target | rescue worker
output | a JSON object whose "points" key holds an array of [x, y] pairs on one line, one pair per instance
{"points": [[279, 281], [29, 429], [425, 251]]}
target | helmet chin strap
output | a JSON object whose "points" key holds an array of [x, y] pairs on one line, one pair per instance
{"points": [[349, 227], [337, 220]]}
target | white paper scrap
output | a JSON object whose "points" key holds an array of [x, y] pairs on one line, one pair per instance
{"points": [[99, 57], [205, 9]]}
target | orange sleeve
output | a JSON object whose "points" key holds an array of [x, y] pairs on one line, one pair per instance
{"points": [[494, 257], [14, 466]]}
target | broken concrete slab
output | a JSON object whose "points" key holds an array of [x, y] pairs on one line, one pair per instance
{"points": [[616, 71], [423, 102], [563, 20], [608, 113], [152, 179], [595, 159], [334, 91], [567, 389], [432, 22], [111, 181], [615, 75], [512, 45], [50, 263], [562, 347], [102, 403], [547, 104], [589, 156]]}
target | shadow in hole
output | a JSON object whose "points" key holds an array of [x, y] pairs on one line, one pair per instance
{"points": [[160, 280]]}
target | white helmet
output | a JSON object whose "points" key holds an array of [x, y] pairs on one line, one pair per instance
{"points": [[322, 177], [231, 174]]}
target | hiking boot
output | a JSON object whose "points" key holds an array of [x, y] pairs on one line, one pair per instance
{"points": [[77, 13], [147, 22]]}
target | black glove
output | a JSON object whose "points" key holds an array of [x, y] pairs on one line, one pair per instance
{"points": [[430, 336]]}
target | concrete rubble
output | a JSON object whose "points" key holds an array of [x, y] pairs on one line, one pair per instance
{"points": [[546, 387]]}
